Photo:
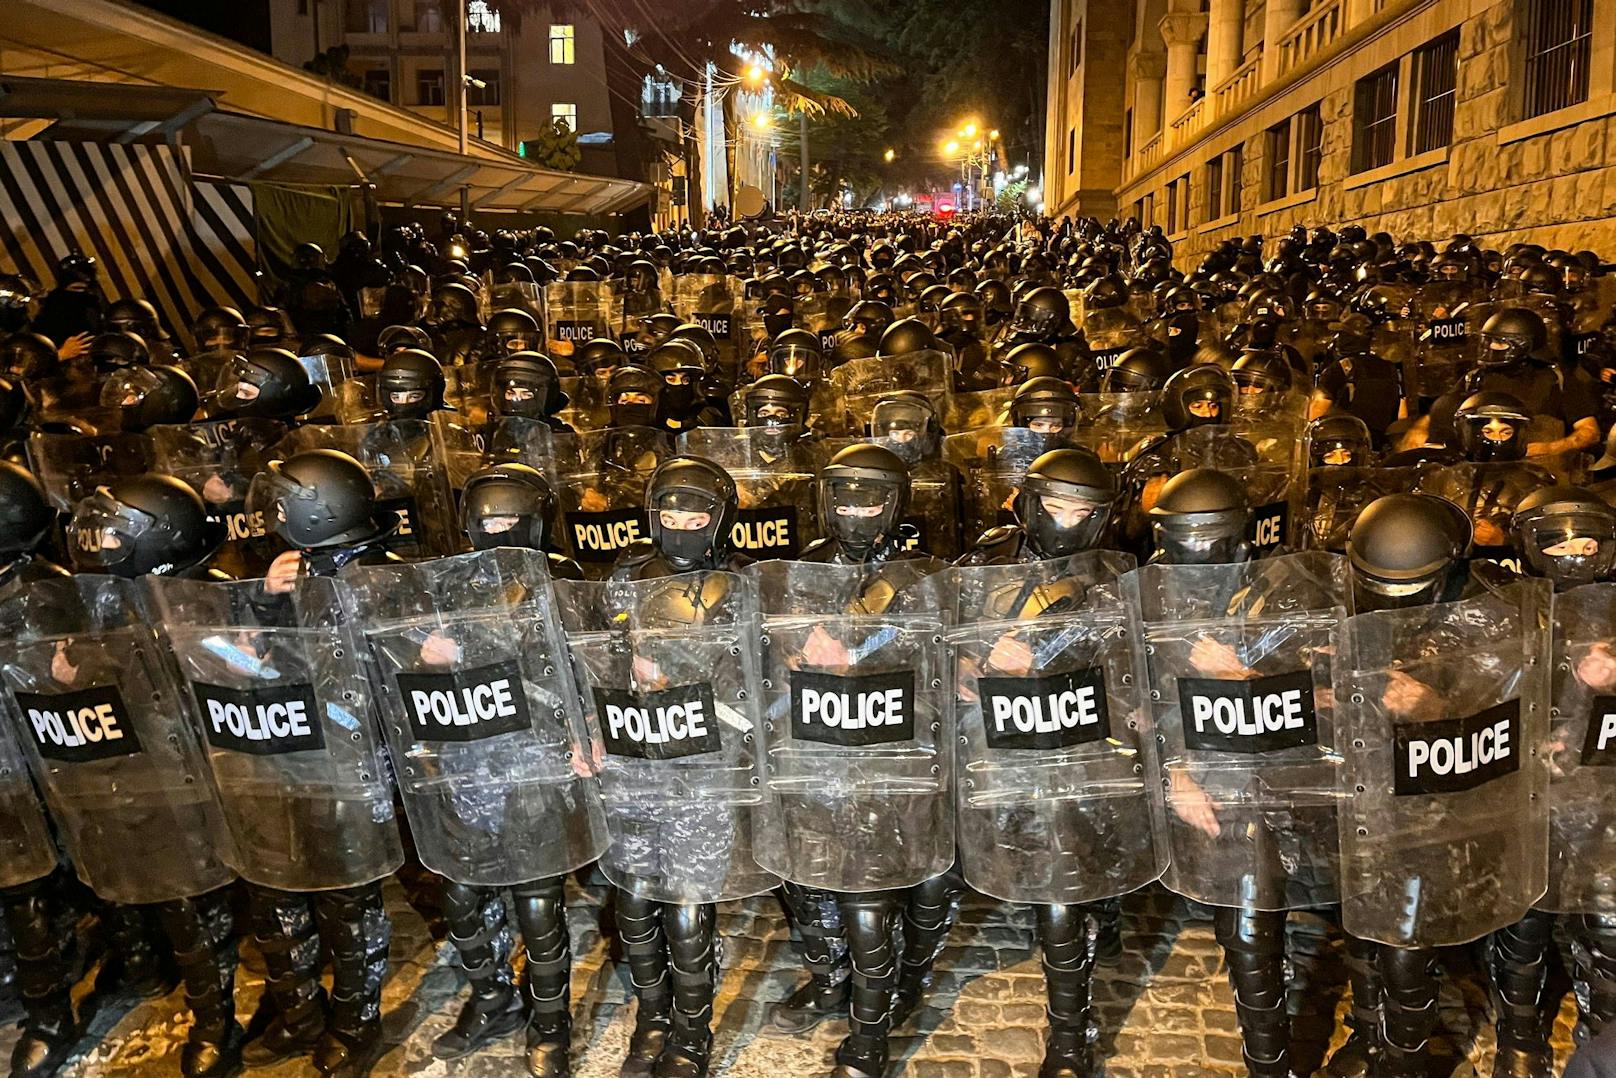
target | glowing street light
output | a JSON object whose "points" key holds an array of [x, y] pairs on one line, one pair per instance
{"points": [[951, 147], [762, 121], [755, 73], [994, 134], [889, 155], [969, 130]]}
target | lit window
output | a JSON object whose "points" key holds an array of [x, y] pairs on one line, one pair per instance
{"points": [[480, 18], [561, 43], [567, 112]]}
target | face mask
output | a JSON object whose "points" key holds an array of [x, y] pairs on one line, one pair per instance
{"points": [[679, 400], [633, 415]]}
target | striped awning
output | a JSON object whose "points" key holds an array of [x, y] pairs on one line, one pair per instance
{"points": [[134, 208]]}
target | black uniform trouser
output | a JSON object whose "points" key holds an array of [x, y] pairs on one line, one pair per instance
{"points": [[353, 925], [871, 920], [44, 979], [821, 941], [479, 931], [673, 965], [1063, 935], [201, 930], [1253, 944], [1520, 958]]}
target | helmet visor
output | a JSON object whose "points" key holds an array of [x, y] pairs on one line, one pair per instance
{"points": [[104, 532], [126, 388]]}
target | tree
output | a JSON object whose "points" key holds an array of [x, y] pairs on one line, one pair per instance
{"points": [[554, 147]]}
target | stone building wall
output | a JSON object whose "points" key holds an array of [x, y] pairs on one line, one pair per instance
{"points": [[1550, 179]]}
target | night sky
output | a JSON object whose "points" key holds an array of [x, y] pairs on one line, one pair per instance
{"points": [[246, 21]]}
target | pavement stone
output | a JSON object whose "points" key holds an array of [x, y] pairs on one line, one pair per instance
{"points": [[1163, 1011]]}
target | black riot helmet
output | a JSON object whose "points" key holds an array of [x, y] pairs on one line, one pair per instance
{"points": [[640, 276], [317, 500], [25, 515], [997, 301], [1340, 440], [693, 506], [634, 396], [1065, 502], [1403, 550], [797, 353], [267, 382], [117, 350], [1202, 517], [1034, 359], [1042, 313], [527, 384], [702, 338], [682, 366], [513, 330], [397, 338], [411, 384], [863, 496], [28, 356], [906, 422], [1492, 426], [220, 329], [141, 524], [508, 504], [906, 335], [1049, 402], [1511, 336], [779, 402], [16, 301], [868, 317], [1352, 335], [1566, 534], [963, 312], [1196, 396], [1138, 370], [453, 304], [135, 316], [1260, 371], [269, 327], [1105, 293], [150, 396], [599, 354]]}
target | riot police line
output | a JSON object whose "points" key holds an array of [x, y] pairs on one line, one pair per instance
{"points": [[824, 583]]}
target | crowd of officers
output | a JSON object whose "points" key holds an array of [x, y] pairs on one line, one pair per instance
{"points": [[943, 476]]}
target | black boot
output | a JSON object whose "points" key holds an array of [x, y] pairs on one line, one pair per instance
{"points": [[202, 933], [928, 915], [639, 926], [1063, 932], [541, 911], [49, 1030], [356, 930], [1408, 1012], [292, 1014], [1254, 949], [1593, 972], [475, 917], [1518, 957], [1356, 1058], [694, 965], [1107, 917], [824, 951], [136, 961], [871, 922]]}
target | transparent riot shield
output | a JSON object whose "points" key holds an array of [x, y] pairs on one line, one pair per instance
{"points": [[279, 694], [1110, 333], [1447, 317], [856, 730], [1268, 459], [602, 478], [1581, 750], [358, 400], [1488, 493], [626, 313], [713, 302], [1445, 761], [71, 466], [218, 460], [94, 703], [994, 461], [587, 407], [577, 315], [776, 481], [933, 525], [515, 295], [861, 383], [474, 688], [1058, 800], [409, 480], [977, 409], [667, 671], [1119, 426], [1335, 497], [1240, 662], [27, 850]]}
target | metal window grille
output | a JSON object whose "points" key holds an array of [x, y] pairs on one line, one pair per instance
{"points": [[1172, 207], [1235, 162], [1214, 188], [1558, 45], [1375, 120], [1436, 71]]}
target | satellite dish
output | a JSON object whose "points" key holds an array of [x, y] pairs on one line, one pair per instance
{"points": [[748, 201]]}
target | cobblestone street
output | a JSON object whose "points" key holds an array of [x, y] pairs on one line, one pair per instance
{"points": [[1165, 1011]]}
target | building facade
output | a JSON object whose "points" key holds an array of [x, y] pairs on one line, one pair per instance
{"points": [[1226, 118], [532, 68]]}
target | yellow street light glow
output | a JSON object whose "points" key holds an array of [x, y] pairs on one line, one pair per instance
{"points": [[889, 155], [951, 147], [994, 134], [762, 121], [969, 130], [755, 72], [978, 144]]}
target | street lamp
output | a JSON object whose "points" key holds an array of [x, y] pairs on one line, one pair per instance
{"points": [[950, 148], [889, 155], [756, 73]]}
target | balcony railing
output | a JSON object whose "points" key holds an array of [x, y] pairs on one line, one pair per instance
{"points": [[1149, 153], [1238, 88], [1319, 30], [1186, 127]]}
